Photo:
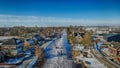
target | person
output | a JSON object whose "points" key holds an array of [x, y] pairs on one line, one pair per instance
{"points": [[0, 48], [57, 52], [61, 52], [1, 56]]}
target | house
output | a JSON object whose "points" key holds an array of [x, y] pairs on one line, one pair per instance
{"points": [[106, 51], [78, 38], [78, 47], [114, 49], [112, 37], [91, 29], [118, 51], [37, 38], [111, 49], [13, 47], [102, 30], [29, 47], [79, 33], [31, 42], [56, 34]]}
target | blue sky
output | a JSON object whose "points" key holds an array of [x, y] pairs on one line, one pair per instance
{"points": [[59, 12]]}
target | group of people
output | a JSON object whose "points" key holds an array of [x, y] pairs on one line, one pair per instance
{"points": [[59, 50]]}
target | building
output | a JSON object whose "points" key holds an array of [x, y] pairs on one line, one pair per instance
{"points": [[37, 38], [78, 39], [115, 38], [91, 29], [31, 42], [13, 46], [111, 49], [114, 49], [79, 33], [78, 47], [29, 46]]}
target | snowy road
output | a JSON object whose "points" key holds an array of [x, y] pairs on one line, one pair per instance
{"points": [[58, 62], [60, 59]]}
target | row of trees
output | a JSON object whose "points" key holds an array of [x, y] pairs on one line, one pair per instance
{"points": [[18, 31]]}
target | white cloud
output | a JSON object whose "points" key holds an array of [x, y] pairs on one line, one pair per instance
{"points": [[12, 20]]}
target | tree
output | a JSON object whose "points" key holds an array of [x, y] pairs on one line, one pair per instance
{"points": [[26, 45], [9, 52], [87, 40], [37, 52]]}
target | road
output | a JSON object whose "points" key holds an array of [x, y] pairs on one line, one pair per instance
{"points": [[105, 61], [58, 56], [103, 58]]}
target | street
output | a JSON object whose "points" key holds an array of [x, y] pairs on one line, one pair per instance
{"points": [[58, 57]]}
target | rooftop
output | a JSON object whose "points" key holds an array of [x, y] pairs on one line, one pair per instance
{"points": [[115, 44], [12, 41], [9, 42]]}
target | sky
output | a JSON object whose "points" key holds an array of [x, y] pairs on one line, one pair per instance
{"points": [[59, 12]]}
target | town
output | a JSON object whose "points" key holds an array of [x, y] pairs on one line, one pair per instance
{"points": [[60, 47], [59, 33]]}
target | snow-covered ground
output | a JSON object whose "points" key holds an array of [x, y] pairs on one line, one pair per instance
{"points": [[60, 61], [7, 37], [94, 62]]}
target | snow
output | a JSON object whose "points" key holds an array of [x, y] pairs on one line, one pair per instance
{"points": [[60, 60]]}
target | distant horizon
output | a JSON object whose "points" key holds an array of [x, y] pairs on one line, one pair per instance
{"points": [[44, 13], [113, 26], [42, 21]]}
